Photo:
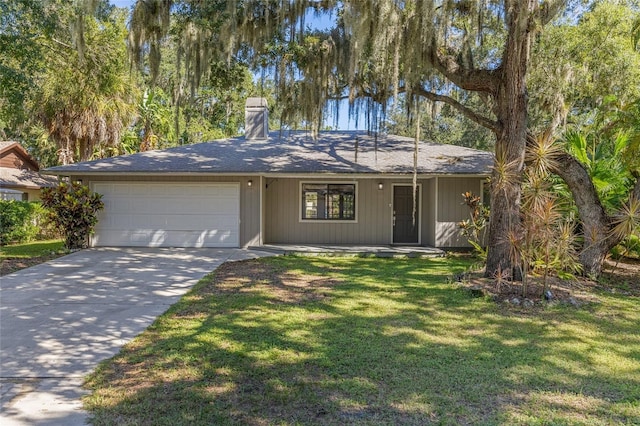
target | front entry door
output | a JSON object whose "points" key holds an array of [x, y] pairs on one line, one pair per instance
{"points": [[405, 228]]}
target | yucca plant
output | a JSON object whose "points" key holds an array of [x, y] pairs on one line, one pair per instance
{"points": [[542, 154], [505, 173], [626, 226], [549, 243], [627, 219]]}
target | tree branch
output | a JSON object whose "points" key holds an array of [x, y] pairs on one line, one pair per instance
{"points": [[483, 121], [476, 80], [577, 178], [549, 10], [492, 125]]}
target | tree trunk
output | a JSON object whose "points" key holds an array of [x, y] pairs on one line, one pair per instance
{"points": [[595, 221], [505, 219], [511, 114], [596, 224], [82, 150]]}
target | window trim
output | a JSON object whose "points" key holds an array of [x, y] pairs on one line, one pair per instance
{"points": [[301, 219]]}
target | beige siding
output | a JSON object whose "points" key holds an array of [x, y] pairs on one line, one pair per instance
{"points": [[374, 214], [451, 210], [283, 208], [441, 209], [249, 197], [429, 212], [32, 194]]}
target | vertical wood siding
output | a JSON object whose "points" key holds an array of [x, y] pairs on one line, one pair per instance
{"points": [[429, 212], [283, 206], [374, 210], [451, 209]]}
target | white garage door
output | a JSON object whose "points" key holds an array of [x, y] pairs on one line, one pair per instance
{"points": [[168, 215]]}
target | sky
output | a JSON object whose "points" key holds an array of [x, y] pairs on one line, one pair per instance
{"points": [[344, 122], [122, 3]]}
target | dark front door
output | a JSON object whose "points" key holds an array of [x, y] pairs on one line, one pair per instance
{"points": [[405, 228]]}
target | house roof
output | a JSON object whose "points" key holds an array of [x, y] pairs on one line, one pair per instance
{"points": [[293, 152], [20, 172], [7, 146], [27, 179]]}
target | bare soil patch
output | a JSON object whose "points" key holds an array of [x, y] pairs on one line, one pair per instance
{"points": [[283, 286], [11, 265]]}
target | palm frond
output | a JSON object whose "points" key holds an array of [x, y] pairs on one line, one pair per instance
{"points": [[627, 219], [577, 146], [505, 174], [542, 155]]}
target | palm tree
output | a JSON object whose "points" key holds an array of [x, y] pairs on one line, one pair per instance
{"points": [[86, 95]]}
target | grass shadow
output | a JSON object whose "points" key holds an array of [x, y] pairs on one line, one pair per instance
{"points": [[368, 341]]}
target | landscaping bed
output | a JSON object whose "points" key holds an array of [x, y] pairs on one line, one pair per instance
{"points": [[621, 276]]}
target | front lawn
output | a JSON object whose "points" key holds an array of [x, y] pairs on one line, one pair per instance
{"points": [[19, 256], [338, 341]]}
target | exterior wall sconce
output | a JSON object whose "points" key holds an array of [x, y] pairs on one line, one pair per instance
{"points": [[380, 186], [249, 183]]}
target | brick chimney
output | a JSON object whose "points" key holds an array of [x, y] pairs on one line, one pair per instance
{"points": [[256, 118]]}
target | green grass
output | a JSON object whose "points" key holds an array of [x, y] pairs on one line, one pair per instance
{"points": [[30, 250], [374, 342]]}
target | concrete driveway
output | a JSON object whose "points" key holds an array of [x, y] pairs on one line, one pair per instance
{"points": [[59, 319]]}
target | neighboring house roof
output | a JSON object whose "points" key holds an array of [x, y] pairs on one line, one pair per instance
{"points": [[19, 170], [28, 179], [293, 152], [25, 161]]}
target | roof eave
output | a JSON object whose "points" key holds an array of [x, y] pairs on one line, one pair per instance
{"points": [[371, 175]]}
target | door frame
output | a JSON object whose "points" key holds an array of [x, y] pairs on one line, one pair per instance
{"points": [[418, 212]]}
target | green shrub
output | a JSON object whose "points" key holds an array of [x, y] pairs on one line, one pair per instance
{"points": [[629, 247], [74, 209], [41, 218], [20, 221]]}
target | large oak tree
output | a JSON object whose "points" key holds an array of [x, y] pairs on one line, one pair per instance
{"points": [[439, 50], [473, 55]]}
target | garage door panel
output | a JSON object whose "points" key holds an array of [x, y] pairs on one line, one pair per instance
{"points": [[168, 215], [171, 205], [159, 238], [184, 222], [176, 222]]}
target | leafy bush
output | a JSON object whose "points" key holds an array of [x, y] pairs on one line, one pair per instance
{"points": [[22, 221], [74, 209]]}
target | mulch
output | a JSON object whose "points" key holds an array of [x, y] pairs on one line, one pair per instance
{"points": [[621, 277]]}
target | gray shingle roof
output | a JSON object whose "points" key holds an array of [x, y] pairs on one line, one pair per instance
{"points": [[5, 144], [295, 152], [17, 178]]}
